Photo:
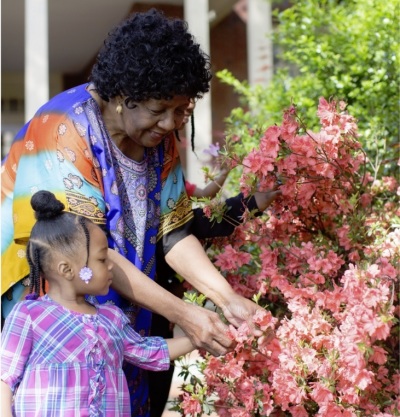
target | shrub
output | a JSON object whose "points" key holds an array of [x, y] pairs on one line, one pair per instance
{"points": [[324, 262]]}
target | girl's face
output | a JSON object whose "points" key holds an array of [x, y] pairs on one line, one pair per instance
{"points": [[99, 263], [149, 122]]}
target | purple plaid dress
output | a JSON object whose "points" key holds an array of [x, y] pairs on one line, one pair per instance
{"points": [[62, 363]]}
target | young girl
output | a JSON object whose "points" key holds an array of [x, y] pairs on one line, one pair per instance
{"points": [[60, 354]]}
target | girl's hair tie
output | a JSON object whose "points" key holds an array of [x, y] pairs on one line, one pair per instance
{"points": [[86, 274], [32, 296]]}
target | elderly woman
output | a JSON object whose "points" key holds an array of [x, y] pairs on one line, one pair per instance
{"points": [[107, 150]]}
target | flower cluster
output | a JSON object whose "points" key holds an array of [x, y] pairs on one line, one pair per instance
{"points": [[324, 260]]}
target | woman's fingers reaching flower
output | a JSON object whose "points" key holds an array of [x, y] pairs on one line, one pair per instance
{"points": [[206, 330], [239, 310]]}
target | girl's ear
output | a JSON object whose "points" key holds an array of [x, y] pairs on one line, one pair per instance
{"points": [[64, 269]]}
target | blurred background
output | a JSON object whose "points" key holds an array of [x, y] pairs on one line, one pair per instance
{"points": [[275, 52], [49, 46]]}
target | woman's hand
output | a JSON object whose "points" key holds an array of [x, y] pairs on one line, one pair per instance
{"points": [[240, 309], [205, 330], [265, 198]]}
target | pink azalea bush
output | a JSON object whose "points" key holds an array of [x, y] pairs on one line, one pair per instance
{"points": [[324, 261]]}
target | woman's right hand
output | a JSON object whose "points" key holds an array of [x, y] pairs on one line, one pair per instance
{"points": [[205, 329]]}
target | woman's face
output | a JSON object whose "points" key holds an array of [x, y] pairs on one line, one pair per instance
{"points": [[150, 121], [189, 111]]}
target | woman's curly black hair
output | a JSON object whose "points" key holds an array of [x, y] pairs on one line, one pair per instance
{"points": [[150, 56]]}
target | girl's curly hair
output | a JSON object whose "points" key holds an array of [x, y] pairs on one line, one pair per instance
{"points": [[54, 230], [150, 56]]}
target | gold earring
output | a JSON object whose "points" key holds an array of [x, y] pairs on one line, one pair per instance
{"points": [[118, 109]]}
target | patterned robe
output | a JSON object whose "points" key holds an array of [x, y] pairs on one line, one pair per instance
{"points": [[67, 150]]}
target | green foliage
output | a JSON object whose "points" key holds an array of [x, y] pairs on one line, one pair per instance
{"points": [[195, 298], [331, 48]]}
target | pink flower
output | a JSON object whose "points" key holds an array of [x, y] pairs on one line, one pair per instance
{"points": [[240, 334], [344, 240], [288, 165], [286, 389], [378, 329], [365, 199], [207, 211], [258, 163], [326, 112], [269, 143], [390, 183], [269, 259], [373, 271], [190, 405], [232, 259], [364, 378], [264, 319], [289, 124], [298, 411], [379, 355], [266, 407], [387, 269], [237, 412], [245, 391], [306, 192], [354, 256], [330, 410]]}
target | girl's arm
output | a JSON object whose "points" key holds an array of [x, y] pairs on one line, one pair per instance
{"points": [[213, 187], [16, 347], [6, 400], [179, 346]]}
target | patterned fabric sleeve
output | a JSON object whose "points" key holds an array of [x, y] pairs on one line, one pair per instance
{"points": [[176, 207], [146, 352], [51, 153], [16, 345]]}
